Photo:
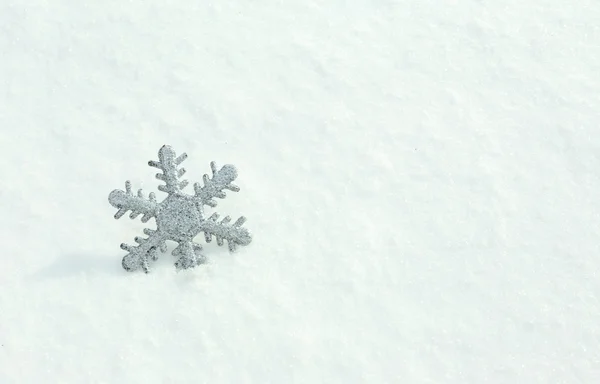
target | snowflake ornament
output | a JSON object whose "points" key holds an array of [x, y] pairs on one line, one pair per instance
{"points": [[179, 217]]}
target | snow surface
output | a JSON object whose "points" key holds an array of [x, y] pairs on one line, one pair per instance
{"points": [[421, 178]]}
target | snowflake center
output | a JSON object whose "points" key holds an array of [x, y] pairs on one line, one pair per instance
{"points": [[179, 218]]}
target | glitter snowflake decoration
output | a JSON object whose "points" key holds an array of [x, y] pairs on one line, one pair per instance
{"points": [[179, 217]]}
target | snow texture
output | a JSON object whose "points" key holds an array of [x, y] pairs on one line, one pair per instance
{"points": [[422, 178], [179, 217]]}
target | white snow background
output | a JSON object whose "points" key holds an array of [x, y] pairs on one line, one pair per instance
{"points": [[421, 179]]}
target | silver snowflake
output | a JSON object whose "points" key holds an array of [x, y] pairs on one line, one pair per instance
{"points": [[180, 217]]}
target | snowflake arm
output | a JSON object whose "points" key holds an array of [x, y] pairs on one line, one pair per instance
{"points": [[137, 256], [126, 201], [213, 187], [234, 234], [189, 255], [171, 175]]}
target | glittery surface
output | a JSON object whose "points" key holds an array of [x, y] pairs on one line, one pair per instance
{"points": [[179, 217]]}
